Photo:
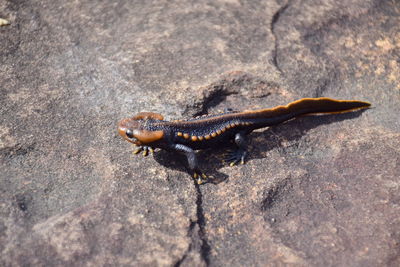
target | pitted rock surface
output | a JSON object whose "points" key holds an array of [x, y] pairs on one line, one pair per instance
{"points": [[319, 190]]}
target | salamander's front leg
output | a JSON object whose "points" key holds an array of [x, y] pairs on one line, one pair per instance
{"points": [[145, 150], [240, 154], [192, 162]]}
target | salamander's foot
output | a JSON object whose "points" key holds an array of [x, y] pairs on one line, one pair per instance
{"points": [[235, 157], [145, 149], [200, 177]]}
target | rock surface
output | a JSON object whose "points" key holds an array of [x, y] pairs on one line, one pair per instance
{"points": [[321, 191]]}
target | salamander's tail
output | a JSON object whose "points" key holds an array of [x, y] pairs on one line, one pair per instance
{"points": [[325, 105], [305, 106]]}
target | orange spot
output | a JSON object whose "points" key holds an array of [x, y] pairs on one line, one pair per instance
{"points": [[194, 138], [185, 135], [219, 132], [207, 137], [213, 134], [179, 134], [200, 138]]}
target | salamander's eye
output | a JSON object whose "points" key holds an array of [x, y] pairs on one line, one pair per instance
{"points": [[129, 133]]}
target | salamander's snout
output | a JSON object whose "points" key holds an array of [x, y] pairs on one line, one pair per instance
{"points": [[134, 130], [121, 131], [126, 129]]}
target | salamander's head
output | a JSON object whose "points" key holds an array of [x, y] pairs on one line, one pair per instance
{"points": [[134, 129]]}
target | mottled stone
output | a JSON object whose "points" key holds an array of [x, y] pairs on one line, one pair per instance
{"points": [[319, 191]]}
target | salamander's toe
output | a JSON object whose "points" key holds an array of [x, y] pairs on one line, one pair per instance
{"points": [[235, 157], [144, 149], [200, 177], [137, 150]]}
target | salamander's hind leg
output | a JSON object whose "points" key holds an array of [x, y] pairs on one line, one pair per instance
{"points": [[145, 150], [190, 154], [240, 154]]}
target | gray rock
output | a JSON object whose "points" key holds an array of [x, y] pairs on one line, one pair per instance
{"points": [[320, 191]]}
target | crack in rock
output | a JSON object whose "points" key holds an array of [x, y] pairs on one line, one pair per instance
{"points": [[199, 239], [274, 20], [205, 248]]}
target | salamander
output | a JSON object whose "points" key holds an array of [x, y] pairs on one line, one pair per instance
{"points": [[149, 130]]}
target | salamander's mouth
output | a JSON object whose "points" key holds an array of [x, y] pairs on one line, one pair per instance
{"points": [[123, 132], [132, 130], [126, 132]]}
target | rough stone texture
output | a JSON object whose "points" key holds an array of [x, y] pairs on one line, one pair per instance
{"points": [[320, 191]]}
